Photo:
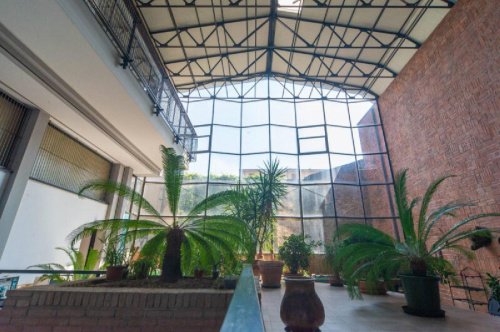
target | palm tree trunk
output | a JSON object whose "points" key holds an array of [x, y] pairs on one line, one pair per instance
{"points": [[171, 267]]}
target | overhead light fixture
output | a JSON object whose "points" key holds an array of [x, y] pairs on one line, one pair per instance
{"points": [[291, 6]]}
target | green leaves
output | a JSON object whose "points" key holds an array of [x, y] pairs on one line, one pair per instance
{"points": [[173, 173]]}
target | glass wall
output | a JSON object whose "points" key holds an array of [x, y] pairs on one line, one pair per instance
{"points": [[331, 143]]}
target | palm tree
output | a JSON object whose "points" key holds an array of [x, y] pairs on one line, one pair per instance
{"points": [[370, 253], [183, 242], [260, 201], [78, 263]]}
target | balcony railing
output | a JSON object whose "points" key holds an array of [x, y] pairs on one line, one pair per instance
{"points": [[122, 24]]}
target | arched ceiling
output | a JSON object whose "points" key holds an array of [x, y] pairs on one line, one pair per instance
{"points": [[358, 45]]}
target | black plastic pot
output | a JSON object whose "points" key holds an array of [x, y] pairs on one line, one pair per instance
{"points": [[230, 282], [494, 307], [422, 296]]}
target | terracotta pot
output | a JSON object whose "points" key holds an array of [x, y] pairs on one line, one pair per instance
{"points": [[115, 273], [270, 272], [335, 280], [301, 309], [377, 289]]}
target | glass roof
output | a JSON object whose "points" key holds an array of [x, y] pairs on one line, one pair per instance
{"points": [[358, 45]]}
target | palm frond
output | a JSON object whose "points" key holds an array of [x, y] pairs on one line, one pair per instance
{"points": [[435, 216], [173, 173], [226, 197], [122, 191], [404, 209]]}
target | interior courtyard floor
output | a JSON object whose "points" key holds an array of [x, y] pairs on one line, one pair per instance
{"points": [[375, 313]]}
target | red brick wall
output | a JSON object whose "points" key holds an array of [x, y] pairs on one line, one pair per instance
{"points": [[442, 116], [94, 309]]}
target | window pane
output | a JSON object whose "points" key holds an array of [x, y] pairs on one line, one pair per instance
{"points": [[227, 112], [385, 225], [340, 140], [310, 113], [364, 113], [336, 113], [315, 231], [374, 169], [311, 132], [286, 227], [376, 200], [191, 194], [315, 168], [224, 168], [255, 139], [344, 169], [255, 113], [251, 164], [282, 113], [314, 201], [329, 228], [203, 143], [369, 140], [283, 139], [155, 194], [197, 170], [226, 139], [312, 145], [348, 201], [200, 112], [291, 164], [291, 203]]}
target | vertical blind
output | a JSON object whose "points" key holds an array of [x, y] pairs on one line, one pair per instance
{"points": [[65, 163], [12, 115]]}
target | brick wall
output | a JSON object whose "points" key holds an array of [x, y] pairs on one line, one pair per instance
{"points": [[442, 116], [54, 309]]}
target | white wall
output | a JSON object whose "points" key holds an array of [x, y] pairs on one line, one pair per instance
{"points": [[44, 219], [4, 176]]}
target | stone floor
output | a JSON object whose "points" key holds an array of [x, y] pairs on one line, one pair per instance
{"points": [[375, 313]]}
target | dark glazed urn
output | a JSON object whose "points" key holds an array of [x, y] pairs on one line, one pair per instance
{"points": [[301, 309]]}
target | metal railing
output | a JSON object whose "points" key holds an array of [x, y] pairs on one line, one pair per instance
{"points": [[244, 309], [123, 25]]}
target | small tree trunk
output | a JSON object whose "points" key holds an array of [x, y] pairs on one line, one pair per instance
{"points": [[171, 267], [418, 267]]}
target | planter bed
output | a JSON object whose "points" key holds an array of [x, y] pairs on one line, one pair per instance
{"points": [[63, 308]]}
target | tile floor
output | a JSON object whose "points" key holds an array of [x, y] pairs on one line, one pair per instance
{"points": [[375, 313]]}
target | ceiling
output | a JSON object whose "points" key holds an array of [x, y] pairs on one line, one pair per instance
{"points": [[357, 45]]}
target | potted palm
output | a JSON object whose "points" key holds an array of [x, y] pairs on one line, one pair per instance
{"points": [[115, 262], [375, 254], [265, 193], [181, 242]]}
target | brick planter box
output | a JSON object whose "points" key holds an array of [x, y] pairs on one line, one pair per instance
{"points": [[53, 308]]}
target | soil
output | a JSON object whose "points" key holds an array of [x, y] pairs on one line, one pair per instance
{"points": [[153, 282]]}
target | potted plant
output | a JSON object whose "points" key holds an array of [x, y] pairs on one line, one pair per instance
{"points": [[268, 191], [335, 279], [142, 268], [232, 275], [494, 300], [295, 252], [180, 241], [114, 260], [415, 256]]}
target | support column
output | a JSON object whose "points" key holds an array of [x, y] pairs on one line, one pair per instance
{"points": [[22, 164]]}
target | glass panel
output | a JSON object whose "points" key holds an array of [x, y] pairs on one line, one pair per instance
{"points": [[155, 194], [283, 139], [310, 113], [363, 113], [284, 228], [203, 130], [224, 168], [348, 201], [344, 169], [227, 112], [315, 231], [197, 170], [311, 132], [314, 168], [315, 201], [369, 140], [255, 113], [191, 194], [226, 139], [312, 145], [291, 203], [213, 189], [255, 139], [282, 113], [336, 113], [291, 164], [329, 228], [374, 169], [251, 164], [340, 140], [376, 200], [200, 112], [203, 143], [385, 225]]}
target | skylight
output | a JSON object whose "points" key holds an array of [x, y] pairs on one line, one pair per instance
{"points": [[292, 6]]}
